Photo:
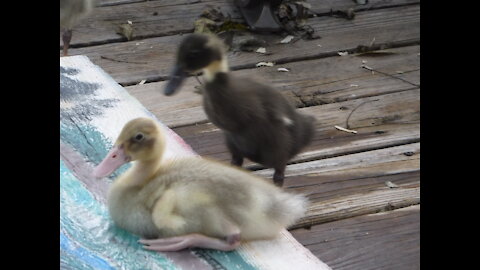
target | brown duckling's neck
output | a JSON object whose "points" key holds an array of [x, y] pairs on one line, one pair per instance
{"points": [[215, 67]]}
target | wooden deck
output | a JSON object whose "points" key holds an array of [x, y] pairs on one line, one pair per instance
{"points": [[364, 187]]}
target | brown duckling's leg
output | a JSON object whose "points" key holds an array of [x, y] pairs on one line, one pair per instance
{"points": [[66, 37], [279, 175], [192, 240], [237, 157], [237, 160]]}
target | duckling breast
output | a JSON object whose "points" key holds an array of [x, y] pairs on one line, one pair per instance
{"points": [[129, 212]]}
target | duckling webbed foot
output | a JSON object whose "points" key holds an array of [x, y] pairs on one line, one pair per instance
{"points": [[191, 240]]}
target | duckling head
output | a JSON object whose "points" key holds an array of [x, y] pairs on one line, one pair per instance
{"points": [[140, 140], [197, 52]]}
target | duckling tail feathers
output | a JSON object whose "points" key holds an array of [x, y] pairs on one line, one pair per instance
{"points": [[290, 208], [303, 132]]}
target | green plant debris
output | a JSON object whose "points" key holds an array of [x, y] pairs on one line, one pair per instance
{"points": [[125, 30]]}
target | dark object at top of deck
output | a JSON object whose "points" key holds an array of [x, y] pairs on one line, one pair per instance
{"points": [[259, 15]]}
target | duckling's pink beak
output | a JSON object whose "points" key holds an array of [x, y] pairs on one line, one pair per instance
{"points": [[114, 159]]}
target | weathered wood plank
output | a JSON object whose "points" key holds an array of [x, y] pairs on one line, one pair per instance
{"points": [[353, 185], [312, 82], [149, 19], [387, 240], [360, 204], [392, 120], [375, 163], [151, 59], [325, 7], [160, 18], [104, 3], [318, 6]]}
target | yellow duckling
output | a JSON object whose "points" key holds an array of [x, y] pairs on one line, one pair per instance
{"points": [[190, 201]]}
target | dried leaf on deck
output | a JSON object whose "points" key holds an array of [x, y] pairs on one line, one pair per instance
{"points": [[346, 130], [125, 30], [287, 39], [304, 4], [213, 14], [212, 20], [265, 64], [348, 14], [283, 69], [342, 53], [204, 26], [229, 25], [261, 50], [391, 185], [367, 67], [293, 16]]}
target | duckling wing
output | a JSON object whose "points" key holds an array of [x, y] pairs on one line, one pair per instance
{"points": [[218, 200], [233, 103]]}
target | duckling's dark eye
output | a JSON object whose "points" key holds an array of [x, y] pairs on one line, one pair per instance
{"points": [[139, 137]]}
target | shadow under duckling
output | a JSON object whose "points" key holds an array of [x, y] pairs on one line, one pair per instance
{"points": [[71, 12], [190, 201], [258, 122]]}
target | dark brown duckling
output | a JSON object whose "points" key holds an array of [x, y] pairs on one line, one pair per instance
{"points": [[258, 122]]}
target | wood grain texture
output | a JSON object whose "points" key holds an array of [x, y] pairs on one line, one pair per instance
{"points": [[353, 185], [103, 3], [326, 7], [314, 82], [151, 59], [388, 241], [336, 170], [161, 18], [149, 19]]}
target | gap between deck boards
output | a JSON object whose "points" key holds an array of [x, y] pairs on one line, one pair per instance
{"points": [[257, 167], [326, 81], [354, 185], [387, 240]]}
